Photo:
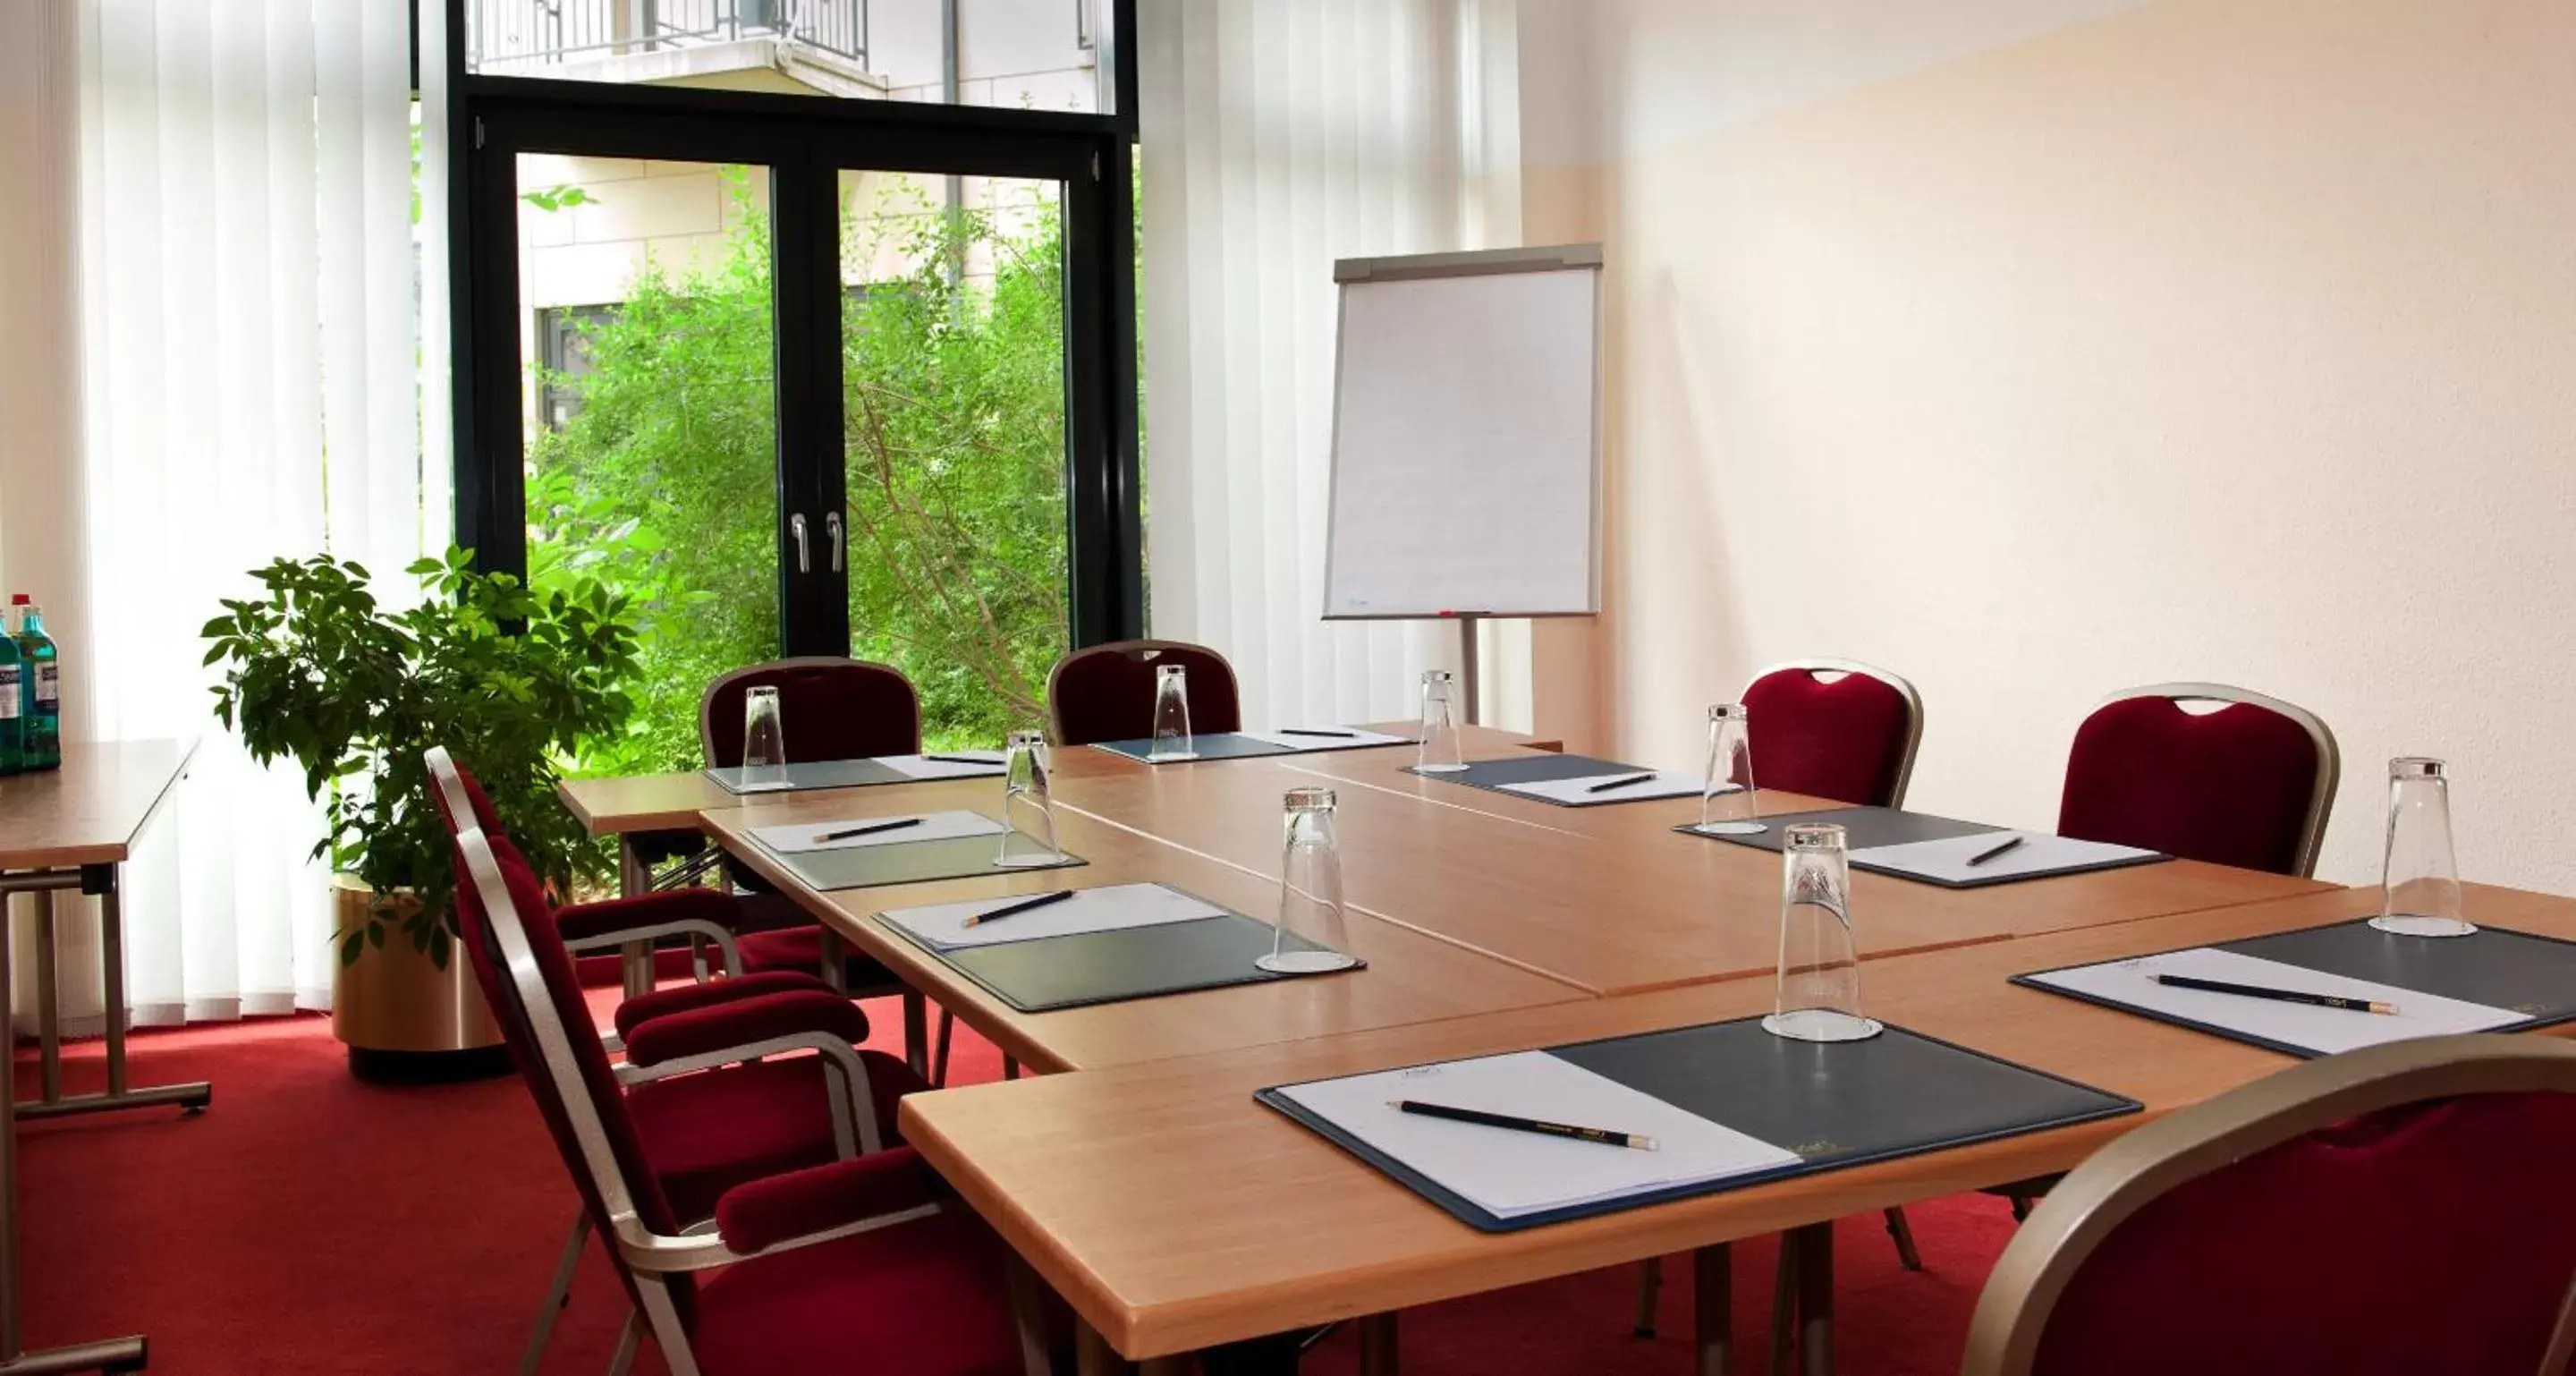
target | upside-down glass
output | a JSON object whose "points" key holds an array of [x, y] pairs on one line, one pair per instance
{"points": [[1440, 751], [1026, 762], [1730, 774], [1171, 715], [2419, 874], [1310, 891], [1818, 995], [764, 740]]}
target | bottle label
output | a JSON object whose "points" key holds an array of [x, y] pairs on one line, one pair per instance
{"points": [[9, 692], [49, 684]]}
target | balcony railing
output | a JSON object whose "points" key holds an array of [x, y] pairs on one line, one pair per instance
{"points": [[521, 35]]}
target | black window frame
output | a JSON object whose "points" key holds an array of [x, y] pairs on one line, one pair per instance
{"points": [[806, 140]]}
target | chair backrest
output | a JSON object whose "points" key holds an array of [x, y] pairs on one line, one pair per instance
{"points": [[527, 977], [1106, 693], [2404, 1208], [831, 709], [1835, 728], [2249, 784], [460, 800]]}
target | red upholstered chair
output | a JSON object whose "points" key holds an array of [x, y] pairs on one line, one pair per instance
{"points": [[1106, 693], [1834, 728], [713, 1104], [2401, 1209], [2248, 784], [857, 1265]]}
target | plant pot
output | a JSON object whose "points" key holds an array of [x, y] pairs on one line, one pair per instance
{"points": [[398, 1013]]}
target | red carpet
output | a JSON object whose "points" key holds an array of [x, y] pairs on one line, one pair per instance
{"points": [[313, 1223]]}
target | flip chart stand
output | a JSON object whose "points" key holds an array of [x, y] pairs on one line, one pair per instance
{"points": [[1467, 676]]}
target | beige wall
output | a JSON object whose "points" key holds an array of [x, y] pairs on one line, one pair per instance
{"points": [[2208, 339]]}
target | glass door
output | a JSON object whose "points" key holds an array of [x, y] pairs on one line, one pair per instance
{"points": [[648, 326], [953, 453]]}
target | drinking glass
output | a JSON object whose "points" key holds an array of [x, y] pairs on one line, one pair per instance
{"points": [[2419, 875], [1440, 751], [1730, 761], [1818, 995], [764, 740], [1171, 715], [1026, 762], [1310, 891]]}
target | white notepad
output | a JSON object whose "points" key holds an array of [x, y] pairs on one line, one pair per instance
{"points": [[1578, 790], [1356, 738], [987, 763], [935, 826], [1112, 908], [1508, 1173], [1946, 859], [2322, 1030]]}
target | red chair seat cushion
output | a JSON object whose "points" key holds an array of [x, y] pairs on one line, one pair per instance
{"points": [[801, 949], [918, 1299], [2230, 787], [706, 1133], [1845, 740], [2433, 1238]]}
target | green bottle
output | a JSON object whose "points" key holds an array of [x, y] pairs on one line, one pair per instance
{"points": [[40, 721], [13, 703]]}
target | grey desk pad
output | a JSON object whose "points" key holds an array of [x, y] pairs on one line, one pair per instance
{"points": [[1229, 745], [818, 774], [1112, 967], [1531, 769], [1835, 1104], [1886, 826], [911, 862], [2496, 966]]}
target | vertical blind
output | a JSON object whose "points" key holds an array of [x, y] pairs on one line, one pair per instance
{"points": [[250, 347], [1276, 137]]}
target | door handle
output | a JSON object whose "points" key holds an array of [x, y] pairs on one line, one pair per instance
{"points": [[796, 527], [832, 527]]}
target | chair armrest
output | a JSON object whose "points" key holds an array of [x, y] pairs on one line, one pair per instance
{"points": [[765, 1213], [681, 998], [677, 912], [716, 1027]]}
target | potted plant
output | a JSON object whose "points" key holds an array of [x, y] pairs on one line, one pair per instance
{"points": [[510, 680]]}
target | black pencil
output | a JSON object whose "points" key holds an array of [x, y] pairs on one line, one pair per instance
{"points": [[1336, 735], [962, 759], [1991, 852], [1024, 905], [1608, 784], [870, 830], [1604, 1136], [2257, 991]]}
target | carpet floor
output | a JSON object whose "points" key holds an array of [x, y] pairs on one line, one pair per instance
{"points": [[311, 1222]]}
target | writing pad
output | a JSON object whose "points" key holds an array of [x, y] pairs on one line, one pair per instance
{"points": [[1229, 745], [1834, 1104], [1115, 966], [2497, 966], [815, 774], [913, 862], [1494, 775]]}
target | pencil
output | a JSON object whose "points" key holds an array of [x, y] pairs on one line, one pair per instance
{"points": [[2257, 991], [870, 830], [1608, 784], [1024, 905], [1604, 1136], [1991, 852], [1336, 735]]}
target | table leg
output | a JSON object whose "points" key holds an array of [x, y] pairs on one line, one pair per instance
{"points": [[1713, 1307], [1377, 1345], [916, 1034], [100, 881], [118, 1354], [1092, 1354], [49, 1007], [1816, 1300], [636, 957]]}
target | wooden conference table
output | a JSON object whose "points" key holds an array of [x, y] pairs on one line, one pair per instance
{"points": [[71, 828], [1490, 922]]}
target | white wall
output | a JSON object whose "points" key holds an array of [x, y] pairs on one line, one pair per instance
{"points": [[2035, 349]]}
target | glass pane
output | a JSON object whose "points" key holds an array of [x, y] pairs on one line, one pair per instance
{"points": [[651, 417], [1014, 54], [954, 442]]}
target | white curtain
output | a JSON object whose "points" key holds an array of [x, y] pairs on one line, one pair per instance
{"points": [[249, 345], [1278, 136]]}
